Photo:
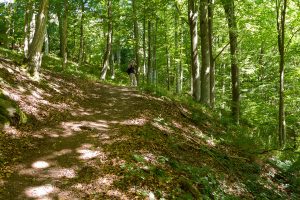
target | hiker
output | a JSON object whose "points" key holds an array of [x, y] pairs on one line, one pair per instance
{"points": [[131, 72]]}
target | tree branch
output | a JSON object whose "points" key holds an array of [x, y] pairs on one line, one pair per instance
{"points": [[290, 40], [221, 51]]}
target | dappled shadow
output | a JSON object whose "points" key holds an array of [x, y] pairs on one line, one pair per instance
{"points": [[95, 141]]}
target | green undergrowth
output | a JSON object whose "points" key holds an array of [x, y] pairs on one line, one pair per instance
{"points": [[191, 181]]}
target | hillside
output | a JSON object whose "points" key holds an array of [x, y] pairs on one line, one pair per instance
{"points": [[78, 139]]}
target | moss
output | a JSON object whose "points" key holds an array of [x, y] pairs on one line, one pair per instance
{"points": [[10, 112]]}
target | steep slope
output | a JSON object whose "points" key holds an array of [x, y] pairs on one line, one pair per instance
{"points": [[89, 140]]}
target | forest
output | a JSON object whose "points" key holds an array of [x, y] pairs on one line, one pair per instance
{"points": [[214, 113]]}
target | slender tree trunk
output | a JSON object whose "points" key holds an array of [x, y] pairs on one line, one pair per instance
{"points": [[154, 66], [10, 25], [108, 42], [177, 60], [168, 66], [35, 50], [180, 79], [28, 14], [205, 54], [112, 66], [232, 26], [149, 70], [118, 53], [81, 51], [144, 47], [65, 35], [281, 6], [136, 40], [60, 29], [212, 61], [46, 42], [193, 18]]}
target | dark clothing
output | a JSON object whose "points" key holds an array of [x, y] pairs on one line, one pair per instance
{"points": [[130, 70]]}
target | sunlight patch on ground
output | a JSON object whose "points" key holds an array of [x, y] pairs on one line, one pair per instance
{"points": [[57, 154], [87, 152], [162, 127], [71, 127], [33, 103], [233, 188], [67, 195], [53, 173], [10, 130], [107, 180], [137, 122], [84, 112], [40, 164], [61, 173], [11, 95], [55, 87], [41, 191]]}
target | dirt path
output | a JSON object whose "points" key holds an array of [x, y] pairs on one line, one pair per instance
{"points": [[88, 140]]}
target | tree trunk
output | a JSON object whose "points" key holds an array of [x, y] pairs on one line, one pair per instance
{"points": [[205, 54], [28, 14], [281, 12], [180, 79], [32, 26], [168, 67], [81, 51], [64, 35], [112, 66], [136, 40], [108, 42], [212, 61], [154, 66], [177, 60], [232, 26], [35, 50], [144, 47], [193, 16], [149, 70], [46, 42]]}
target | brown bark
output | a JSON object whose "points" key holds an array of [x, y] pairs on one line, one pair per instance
{"points": [[136, 40], [205, 53], [212, 61], [64, 35], [81, 51], [35, 50], [105, 66], [28, 14], [149, 70], [232, 26], [193, 16], [281, 12]]}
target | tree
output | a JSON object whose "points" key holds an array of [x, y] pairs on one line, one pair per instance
{"points": [[281, 6], [150, 63], [81, 47], [233, 34], [211, 57], [64, 35], [136, 39], [35, 54], [193, 18], [28, 14], [108, 41], [205, 53]]}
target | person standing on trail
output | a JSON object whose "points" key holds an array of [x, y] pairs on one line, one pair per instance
{"points": [[131, 72]]}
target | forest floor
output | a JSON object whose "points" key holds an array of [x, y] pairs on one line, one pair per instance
{"points": [[89, 140]]}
